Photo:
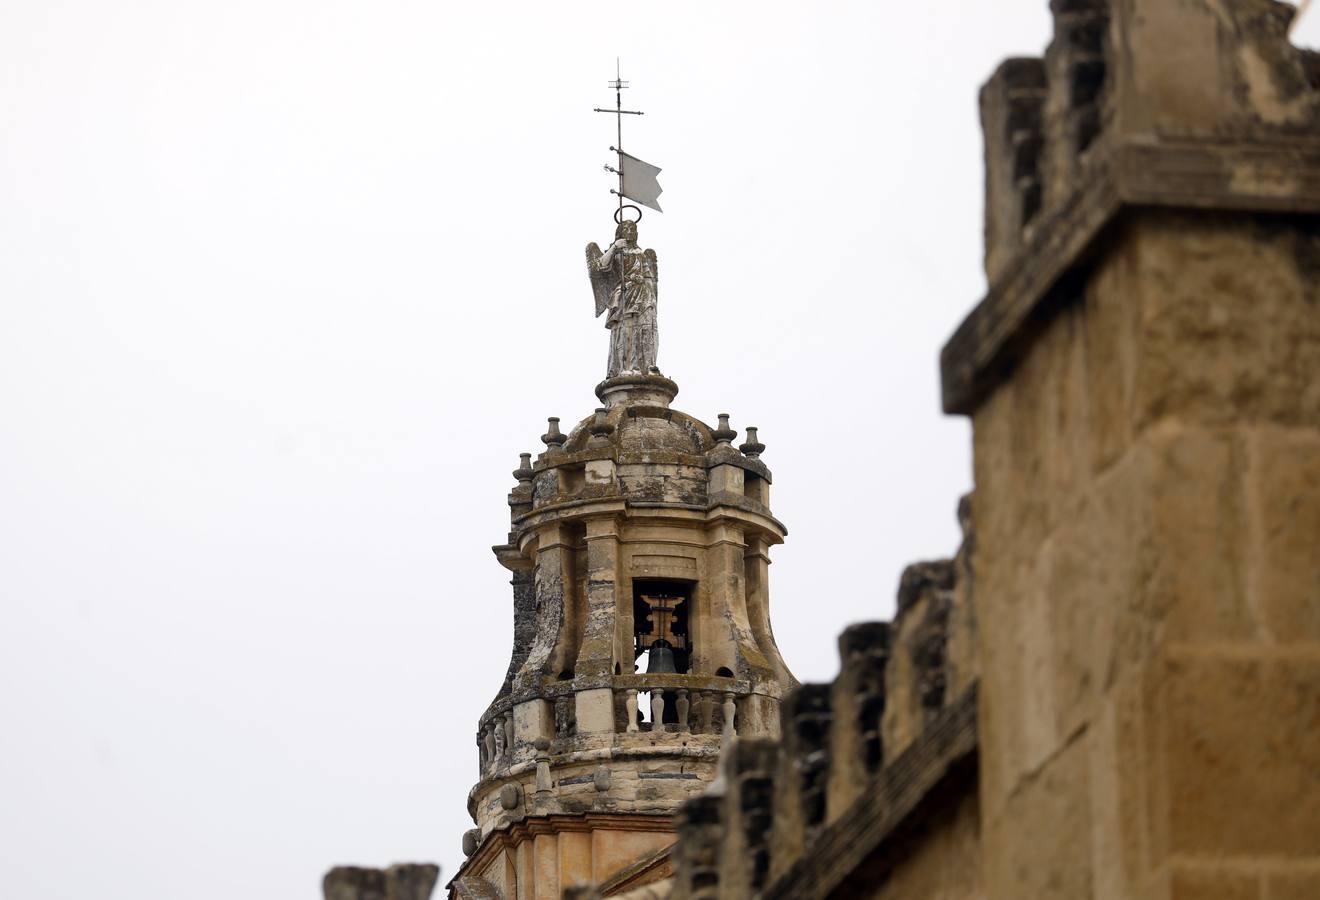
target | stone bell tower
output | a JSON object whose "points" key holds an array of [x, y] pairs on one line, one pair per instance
{"points": [[639, 553]]}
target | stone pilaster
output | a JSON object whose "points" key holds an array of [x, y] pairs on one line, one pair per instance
{"points": [[734, 645], [756, 569], [600, 637]]}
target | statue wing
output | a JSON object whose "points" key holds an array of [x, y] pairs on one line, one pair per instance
{"points": [[602, 281], [655, 269]]}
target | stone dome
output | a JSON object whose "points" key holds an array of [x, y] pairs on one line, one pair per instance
{"points": [[641, 429]]}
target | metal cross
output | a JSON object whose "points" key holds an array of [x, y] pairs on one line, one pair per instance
{"points": [[619, 112]]}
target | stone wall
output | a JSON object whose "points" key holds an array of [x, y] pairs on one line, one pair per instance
{"points": [[1148, 509], [1144, 386]]}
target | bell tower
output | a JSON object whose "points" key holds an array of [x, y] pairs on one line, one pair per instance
{"points": [[639, 553]]}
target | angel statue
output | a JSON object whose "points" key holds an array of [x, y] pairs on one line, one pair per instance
{"points": [[623, 278]]}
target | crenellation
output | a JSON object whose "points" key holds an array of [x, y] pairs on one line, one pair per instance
{"points": [[699, 831], [399, 882], [1012, 113], [858, 703], [801, 779]]}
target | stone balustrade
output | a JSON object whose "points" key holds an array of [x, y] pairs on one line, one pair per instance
{"points": [[676, 703]]}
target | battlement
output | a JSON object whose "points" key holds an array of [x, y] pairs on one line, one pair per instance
{"points": [[1174, 105]]}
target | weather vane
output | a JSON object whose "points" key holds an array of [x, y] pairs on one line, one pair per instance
{"points": [[637, 178]]}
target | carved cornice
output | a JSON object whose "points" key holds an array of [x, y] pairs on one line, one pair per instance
{"points": [[1268, 175], [510, 837]]}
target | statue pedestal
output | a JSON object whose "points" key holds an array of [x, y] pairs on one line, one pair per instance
{"points": [[637, 389]]}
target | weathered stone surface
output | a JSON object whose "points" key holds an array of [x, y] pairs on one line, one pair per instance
{"points": [[1228, 330], [1240, 754], [1292, 885], [1213, 883], [1040, 846], [945, 863], [1283, 505]]}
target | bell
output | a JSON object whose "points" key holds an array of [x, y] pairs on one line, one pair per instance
{"points": [[660, 658]]}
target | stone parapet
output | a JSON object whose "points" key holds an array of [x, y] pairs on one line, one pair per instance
{"points": [[404, 881]]}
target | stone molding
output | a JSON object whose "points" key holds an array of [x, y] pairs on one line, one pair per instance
{"points": [[510, 837], [645, 871]]}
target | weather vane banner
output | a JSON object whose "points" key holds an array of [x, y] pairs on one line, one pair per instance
{"points": [[639, 181], [637, 178]]}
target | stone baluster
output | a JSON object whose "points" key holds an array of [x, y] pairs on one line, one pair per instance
{"points": [[706, 705], [657, 710], [506, 723], [631, 704], [682, 708], [488, 740], [481, 753], [543, 783], [730, 713]]}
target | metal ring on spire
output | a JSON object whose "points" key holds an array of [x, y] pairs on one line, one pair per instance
{"points": [[618, 214]]}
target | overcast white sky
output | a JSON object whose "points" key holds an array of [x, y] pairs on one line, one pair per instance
{"points": [[286, 287]]}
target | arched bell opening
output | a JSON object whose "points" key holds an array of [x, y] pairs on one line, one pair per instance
{"points": [[661, 611], [661, 636]]}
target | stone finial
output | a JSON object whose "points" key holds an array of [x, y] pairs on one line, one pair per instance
{"points": [[554, 438], [524, 471], [471, 841], [753, 448], [600, 429], [724, 434]]}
